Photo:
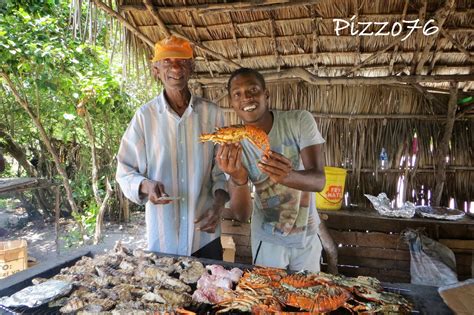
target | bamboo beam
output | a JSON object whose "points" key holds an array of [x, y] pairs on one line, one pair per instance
{"points": [[395, 50], [124, 22], [156, 16], [457, 45], [443, 146], [440, 17], [430, 97], [305, 75], [365, 116]]}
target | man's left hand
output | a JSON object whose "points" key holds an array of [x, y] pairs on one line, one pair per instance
{"points": [[276, 166], [210, 219]]}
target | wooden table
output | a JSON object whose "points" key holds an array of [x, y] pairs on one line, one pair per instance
{"points": [[370, 244], [16, 185]]}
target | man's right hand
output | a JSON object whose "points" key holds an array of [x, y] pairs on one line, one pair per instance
{"points": [[153, 190], [229, 160]]}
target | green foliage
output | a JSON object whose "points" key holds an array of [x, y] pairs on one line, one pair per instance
{"points": [[55, 72]]}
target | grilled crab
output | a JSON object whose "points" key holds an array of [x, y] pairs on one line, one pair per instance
{"points": [[236, 133]]}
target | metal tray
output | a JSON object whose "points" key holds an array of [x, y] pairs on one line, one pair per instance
{"points": [[440, 213]]}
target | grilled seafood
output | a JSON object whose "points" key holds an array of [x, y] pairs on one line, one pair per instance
{"points": [[236, 133]]}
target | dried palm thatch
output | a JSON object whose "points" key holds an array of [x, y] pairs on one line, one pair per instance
{"points": [[366, 92]]}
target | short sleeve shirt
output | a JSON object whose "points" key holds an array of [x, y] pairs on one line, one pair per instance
{"points": [[284, 215]]}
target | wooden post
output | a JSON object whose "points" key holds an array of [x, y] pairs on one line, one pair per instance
{"points": [[443, 146]]}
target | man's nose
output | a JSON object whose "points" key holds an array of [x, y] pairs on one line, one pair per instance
{"points": [[248, 95]]}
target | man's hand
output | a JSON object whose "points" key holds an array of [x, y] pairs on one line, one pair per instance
{"points": [[210, 219], [153, 190], [276, 166], [229, 160]]}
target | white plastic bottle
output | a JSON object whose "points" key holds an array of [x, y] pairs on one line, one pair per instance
{"points": [[383, 159]]}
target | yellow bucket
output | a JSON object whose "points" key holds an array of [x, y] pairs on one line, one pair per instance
{"points": [[330, 198]]}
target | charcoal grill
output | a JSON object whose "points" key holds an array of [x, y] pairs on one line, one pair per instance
{"points": [[425, 298]]}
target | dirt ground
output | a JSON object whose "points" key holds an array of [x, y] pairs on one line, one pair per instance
{"points": [[40, 235]]}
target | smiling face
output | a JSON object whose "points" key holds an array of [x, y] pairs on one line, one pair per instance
{"points": [[174, 73], [248, 97]]}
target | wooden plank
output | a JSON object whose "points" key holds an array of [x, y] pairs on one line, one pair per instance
{"points": [[369, 252], [402, 265], [464, 259], [235, 228], [458, 244], [362, 220], [372, 239]]}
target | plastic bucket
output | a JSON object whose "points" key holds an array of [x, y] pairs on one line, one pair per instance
{"points": [[330, 198]]}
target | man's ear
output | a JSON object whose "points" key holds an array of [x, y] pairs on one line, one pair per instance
{"points": [[155, 71], [267, 94]]}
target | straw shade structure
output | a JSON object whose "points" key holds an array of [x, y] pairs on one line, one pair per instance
{"points": [[366, 92]]}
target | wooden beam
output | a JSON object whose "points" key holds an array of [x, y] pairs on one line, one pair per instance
{"points": [[363, 116], [375, 55], [315, 31], [200, 8], [395, 50], [156, 16], [442, 149], [440, 18], [470, 56], [234, 37], [274, 41], [419, 37], [124, 22], [210, 52], [208, 65], [307, 76]]}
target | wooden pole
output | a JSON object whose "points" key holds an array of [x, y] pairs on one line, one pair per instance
{"points": [[307, 76], [443, 146]]}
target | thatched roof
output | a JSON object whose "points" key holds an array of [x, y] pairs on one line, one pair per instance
{"points": [[366, 92], [274, 35]]}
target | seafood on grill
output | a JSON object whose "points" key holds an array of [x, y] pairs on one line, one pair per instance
{"points": [[237, 133], [312, 292], [190, 270]]}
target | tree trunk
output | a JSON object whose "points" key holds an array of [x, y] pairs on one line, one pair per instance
{"points": [[47, 142], [90, 135], [100, 215]]}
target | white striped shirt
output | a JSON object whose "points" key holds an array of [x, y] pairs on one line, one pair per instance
{"points": [[161, 146]]}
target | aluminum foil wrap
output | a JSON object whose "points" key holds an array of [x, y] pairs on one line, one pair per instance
{"points": [[440, 213], [383, 206], [37, 295]]}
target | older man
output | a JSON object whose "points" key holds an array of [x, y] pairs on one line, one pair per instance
{"points": [[162, 164]]}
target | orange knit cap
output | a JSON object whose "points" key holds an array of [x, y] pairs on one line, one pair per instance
{"points": [[173, 47]]}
